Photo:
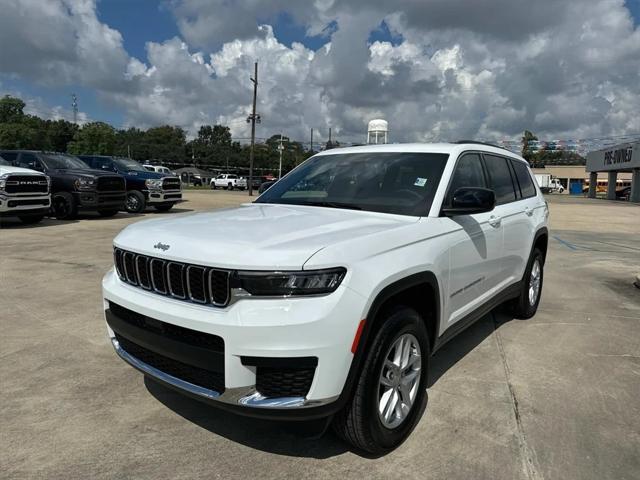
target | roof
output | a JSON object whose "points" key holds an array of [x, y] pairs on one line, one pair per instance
{"points": [[453, 149], [199, 171]]}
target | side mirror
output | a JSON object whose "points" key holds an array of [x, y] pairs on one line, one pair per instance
{"points": [[470, 200]]}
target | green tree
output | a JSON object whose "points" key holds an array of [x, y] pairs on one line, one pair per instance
{"points": [[17, 136], [166, 143], [59, 133], [11, 109], [527, 153], [94, 138]]}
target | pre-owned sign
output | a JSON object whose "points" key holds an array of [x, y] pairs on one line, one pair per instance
{"points": [[619, 157]]}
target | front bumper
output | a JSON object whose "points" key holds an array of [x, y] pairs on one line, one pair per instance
{"points": [[93, 200], [19, 205], [319, 327], [163, 196]]}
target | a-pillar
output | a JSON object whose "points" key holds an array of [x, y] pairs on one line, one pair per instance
{"points": [[635, 186], [611, 186], [593, 184]]}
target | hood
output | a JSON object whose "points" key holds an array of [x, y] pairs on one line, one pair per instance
{"points": [[147, 175], [87, 172], [253, 236], [21, 171]]}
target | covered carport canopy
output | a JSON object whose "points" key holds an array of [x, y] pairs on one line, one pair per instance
{"points": [[620, 158]]}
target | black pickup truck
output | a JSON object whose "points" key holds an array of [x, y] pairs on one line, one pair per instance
{"points": [[74, 185], [144, 188]]}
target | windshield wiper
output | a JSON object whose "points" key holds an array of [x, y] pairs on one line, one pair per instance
{"points": [[333, 205]]}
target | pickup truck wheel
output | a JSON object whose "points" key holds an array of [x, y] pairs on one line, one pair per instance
{"points": [[230, 186], [107, 213], [213, 186], [135, 202], [31, 219], [64, 206], [390, 395], [163, 208], [526, 304]]}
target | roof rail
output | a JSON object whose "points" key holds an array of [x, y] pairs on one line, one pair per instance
{"points": [[482, 143]]}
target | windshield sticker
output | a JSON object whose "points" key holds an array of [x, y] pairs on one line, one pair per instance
{"points": [[420, 182]]}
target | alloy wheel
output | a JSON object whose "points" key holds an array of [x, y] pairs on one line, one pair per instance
{"points": [[399, 381], [534, 282]]}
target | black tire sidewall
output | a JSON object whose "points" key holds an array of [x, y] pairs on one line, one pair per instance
{"points": [[71, 207], [524, 308], [403, 320], [141, 202]]}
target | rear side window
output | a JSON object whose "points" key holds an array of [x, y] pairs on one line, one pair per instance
{"points": [[500, 178], [29, 160], [468, 173], [524, 179]]}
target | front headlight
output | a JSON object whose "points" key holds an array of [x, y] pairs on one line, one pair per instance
{"points": [[3, 181], [85, 183], [153, 184], [312, 282]]}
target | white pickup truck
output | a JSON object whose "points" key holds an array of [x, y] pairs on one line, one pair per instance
{"points": [[548, 184], [24, 193], [229, 181]]}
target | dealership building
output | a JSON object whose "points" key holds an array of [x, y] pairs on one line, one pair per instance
{"points": [[615, 161]]}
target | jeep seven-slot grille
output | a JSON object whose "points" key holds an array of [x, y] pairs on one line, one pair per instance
{"points": [[172, 183], [193, 283], [111, 184], [26, 184]]}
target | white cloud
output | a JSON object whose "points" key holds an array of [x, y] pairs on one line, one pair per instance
{"points": [[560, 68]]}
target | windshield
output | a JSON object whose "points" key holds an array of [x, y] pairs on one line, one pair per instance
{"points": [[59, 161], [4, 162], [399, 183], [129, 165]]}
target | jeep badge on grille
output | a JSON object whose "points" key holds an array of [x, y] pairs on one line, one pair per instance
{"points": [[162, 246]]}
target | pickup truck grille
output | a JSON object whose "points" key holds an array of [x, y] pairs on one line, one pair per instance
{"points": [[171, 183], [192, 283], [111, 184], [17, 184]]}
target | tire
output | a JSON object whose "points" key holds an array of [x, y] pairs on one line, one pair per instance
{"points": [[163, 208], [526, 304], [359, 422], [135, 202], [64, 206], [230, 187], [107, 213], [31, 219], [213, 186]]}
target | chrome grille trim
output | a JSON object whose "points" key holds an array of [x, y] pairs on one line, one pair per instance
{"points": [[170, 287], [192, 268], [153, 276], [211, 290], [130, 273], [198, 283], [145, 260]]}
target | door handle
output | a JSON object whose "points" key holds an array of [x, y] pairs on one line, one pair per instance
{"points": [[528, 211], [494, 221]]}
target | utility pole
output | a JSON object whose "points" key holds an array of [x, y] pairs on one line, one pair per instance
{"points": [[253, 118], [280, 149], [74, 106], [311, 144], [128, 150]]}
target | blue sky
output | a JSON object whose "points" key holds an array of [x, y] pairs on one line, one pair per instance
{"points": [[407, 77]]}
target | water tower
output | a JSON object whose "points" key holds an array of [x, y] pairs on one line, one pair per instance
{"points": [[378, 131]]}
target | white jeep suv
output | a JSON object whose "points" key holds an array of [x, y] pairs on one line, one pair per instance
{"points": [[327, 296]]}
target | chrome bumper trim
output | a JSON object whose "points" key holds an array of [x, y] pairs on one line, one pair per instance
{"points": [[244, 396]]}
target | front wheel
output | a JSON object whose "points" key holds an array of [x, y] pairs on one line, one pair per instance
{"points": [[135, 202], [64, 206], [213, 186], [390, 394], [526, 304], [31, 219]]}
